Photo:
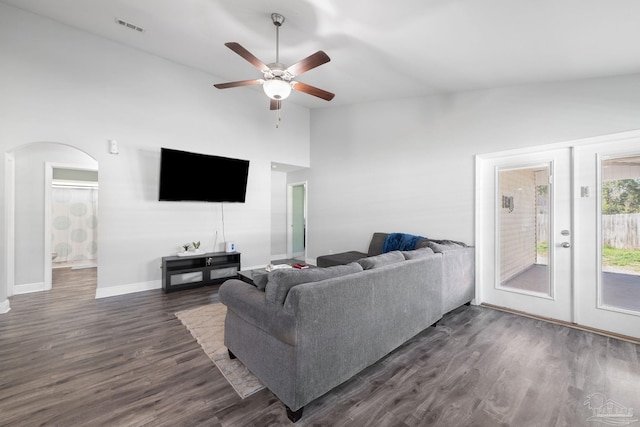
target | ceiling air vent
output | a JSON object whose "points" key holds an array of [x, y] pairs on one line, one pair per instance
{"points": [[129, 25]]}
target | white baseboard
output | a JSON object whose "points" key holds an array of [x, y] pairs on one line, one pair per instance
{"points": [[4, 306], [279, 256], [129, 288], [27, 288]]}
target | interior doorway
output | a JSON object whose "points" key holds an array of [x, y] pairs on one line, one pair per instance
{"points": [[71, 219], [297, 221]]}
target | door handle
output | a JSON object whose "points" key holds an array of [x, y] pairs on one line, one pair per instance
{"points": [[566, 244]]}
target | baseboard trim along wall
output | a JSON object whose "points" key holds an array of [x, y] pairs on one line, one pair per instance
{"points": [[634, 340], [4, 306], [129, 288], [28, 288]]}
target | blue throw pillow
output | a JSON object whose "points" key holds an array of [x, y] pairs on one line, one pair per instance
{"points": [[400, 242]]}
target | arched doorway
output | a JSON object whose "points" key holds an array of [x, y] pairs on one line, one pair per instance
{"points": [[30, 221]]}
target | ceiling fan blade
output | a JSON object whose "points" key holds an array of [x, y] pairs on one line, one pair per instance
{"points": [[239, 83], [309, 63], [311, 90], [237, 48], [275, 104]]}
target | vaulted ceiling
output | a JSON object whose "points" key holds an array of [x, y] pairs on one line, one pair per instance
{"points": [[379, 49]]}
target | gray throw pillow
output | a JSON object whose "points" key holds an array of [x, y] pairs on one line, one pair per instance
{"points": [[437, 248], [381, 260], [422, 243], [260, 281], [281, 281], [418, 253]]}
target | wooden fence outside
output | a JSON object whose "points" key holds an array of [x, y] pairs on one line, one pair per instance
{"points": [[620, 231]]}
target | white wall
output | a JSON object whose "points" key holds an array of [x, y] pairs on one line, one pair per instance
{"points": [[62, 85], [278, 215], [408, 165]]}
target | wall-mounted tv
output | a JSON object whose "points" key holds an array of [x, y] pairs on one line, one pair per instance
{"points": [[186, 176]]}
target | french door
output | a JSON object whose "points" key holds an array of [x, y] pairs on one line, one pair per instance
{"points": [[607, 239], [526, 228], [558, 233]]}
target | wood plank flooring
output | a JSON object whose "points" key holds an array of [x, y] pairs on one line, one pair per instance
{"points": [[67, 359]]}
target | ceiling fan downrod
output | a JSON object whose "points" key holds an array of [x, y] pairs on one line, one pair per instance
{"points": [[278, 20]]}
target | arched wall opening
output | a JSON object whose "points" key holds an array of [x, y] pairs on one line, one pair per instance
{"points": [[29, 220]]}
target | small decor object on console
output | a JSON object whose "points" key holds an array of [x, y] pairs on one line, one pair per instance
{"points": [[272, 267], [196, 247], [185, 251]]}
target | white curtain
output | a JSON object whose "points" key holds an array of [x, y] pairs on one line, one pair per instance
{"points": [[75, 223]]}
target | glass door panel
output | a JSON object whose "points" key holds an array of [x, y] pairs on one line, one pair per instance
{"points": [[620, 233], [523, 218]]}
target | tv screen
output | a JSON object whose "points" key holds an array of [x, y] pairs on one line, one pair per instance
{"points": [[186, 176]]}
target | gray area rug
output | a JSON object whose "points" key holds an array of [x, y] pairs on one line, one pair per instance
{"points": [[206, 324]]}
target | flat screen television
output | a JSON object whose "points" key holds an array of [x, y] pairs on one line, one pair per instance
{"points": [[186, 176]]}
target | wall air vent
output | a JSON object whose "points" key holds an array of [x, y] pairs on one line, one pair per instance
{"points": [[129, 25]]}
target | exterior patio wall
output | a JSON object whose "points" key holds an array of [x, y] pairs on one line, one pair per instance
{"points": [[518, 227]]}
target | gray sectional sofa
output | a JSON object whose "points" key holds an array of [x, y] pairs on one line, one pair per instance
{"points": [[458, 266], [304, 332]]}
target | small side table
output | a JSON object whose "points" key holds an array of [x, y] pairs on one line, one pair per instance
{"points": [[249, 275]]}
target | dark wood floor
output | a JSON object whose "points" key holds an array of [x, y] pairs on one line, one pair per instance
{"points": [[67, 359]]}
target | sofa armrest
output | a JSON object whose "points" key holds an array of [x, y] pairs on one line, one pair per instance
{"points": [[250, 304], [458, 277]]}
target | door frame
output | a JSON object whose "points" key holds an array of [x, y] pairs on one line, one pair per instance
{"points": [[48, 184], [9, 223], [290, 186]]}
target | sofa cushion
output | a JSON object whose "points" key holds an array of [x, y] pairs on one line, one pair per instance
{"points": [[422, 243], [441, 247], [449, 242], [381, 260], [375, 247], [281, 281], [339, 259], [418, 253]]}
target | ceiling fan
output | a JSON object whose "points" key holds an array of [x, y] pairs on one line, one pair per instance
{"points": [[277, 80]]}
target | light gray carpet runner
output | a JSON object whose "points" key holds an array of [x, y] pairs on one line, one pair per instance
{"points": [[206, 324]]}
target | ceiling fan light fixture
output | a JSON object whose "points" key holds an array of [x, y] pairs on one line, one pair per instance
{"points": [[277, 89]]}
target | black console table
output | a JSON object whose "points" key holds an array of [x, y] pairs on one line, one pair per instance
{"points": [[185, 272]]}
